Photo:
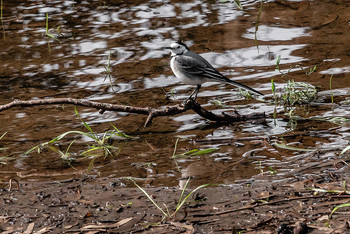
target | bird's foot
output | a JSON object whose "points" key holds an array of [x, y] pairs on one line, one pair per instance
{"points": [[188, 101]]}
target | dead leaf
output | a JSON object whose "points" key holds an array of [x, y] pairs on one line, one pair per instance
{"points": [[87, 202], [44, 230], [329, 19], [8, 230], [114, 225], [123, 221], [189, 228], [29, 228]]}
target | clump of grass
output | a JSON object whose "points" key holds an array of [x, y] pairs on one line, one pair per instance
{"points": [[298, 93], [294, 93], [182, 200], [101, 147]]}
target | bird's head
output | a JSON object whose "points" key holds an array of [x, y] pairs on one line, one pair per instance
{"points": [[178, 48]]}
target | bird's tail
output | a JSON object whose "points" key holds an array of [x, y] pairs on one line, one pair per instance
{"points": [[243, 86]]}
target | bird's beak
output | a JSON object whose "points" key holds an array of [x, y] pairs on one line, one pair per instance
{"points": [[167, 48]]}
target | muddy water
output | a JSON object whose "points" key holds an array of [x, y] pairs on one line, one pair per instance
{"points": [[33, 66]]}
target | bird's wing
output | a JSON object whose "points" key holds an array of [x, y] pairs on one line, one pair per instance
{"points": [[197, 66], [193, 64]]}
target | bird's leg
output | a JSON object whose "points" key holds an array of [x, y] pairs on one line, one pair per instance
{"points": [[195, 93], [193, 96]]}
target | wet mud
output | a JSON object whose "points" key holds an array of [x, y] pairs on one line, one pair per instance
{"points": [[262, 205]]}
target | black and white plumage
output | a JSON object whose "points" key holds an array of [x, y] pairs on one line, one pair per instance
{"points": [[193, 69]]}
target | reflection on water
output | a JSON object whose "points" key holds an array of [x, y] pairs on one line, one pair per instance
{"points": [[248, 57], [336, 70], [268, 33], [135, 33]]}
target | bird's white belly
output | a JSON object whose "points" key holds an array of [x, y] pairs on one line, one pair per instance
{"points": [[185, 79]]}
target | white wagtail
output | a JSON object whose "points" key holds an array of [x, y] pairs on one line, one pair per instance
{"points": [[193, 69]]}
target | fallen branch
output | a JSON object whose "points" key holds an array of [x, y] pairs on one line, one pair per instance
{"points": [[150, 112]]}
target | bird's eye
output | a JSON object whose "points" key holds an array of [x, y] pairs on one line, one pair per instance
{"points": [[178, 47]]}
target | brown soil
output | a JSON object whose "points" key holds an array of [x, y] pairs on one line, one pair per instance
{"points": [[93, 205]]}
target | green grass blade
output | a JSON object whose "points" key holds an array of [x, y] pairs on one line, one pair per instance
{"points": [[191, 152], [277, 68], [175, 147], [195, 152], [57, 139], [346, 149], [188, 153], [47, 29], [91, 150], [238, 4], [183, 191], [69, 147], [205, 151], [85, 124], [121, 134], [104, 148], [70, 132], [108, 71], [91, 165], [149, 197], [35, 148], [3, 135], [273, 87], [57, 151], [337, 207], [184, 200]]}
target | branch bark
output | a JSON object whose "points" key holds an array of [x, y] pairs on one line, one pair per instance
{"points": [[150, 112]]}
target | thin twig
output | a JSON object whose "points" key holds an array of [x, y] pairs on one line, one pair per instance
{"points": [[10, 182]]}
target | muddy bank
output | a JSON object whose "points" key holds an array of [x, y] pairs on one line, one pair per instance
{"points": [[95, 205]]}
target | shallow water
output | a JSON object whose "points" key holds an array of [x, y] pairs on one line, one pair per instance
{"points": [[134, 32]]}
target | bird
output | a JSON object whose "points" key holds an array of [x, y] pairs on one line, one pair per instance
{"points": [[193, 69]]}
